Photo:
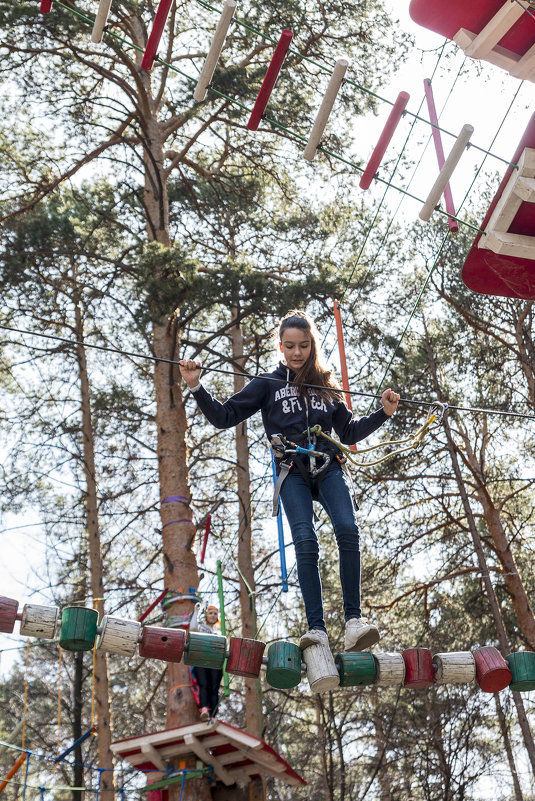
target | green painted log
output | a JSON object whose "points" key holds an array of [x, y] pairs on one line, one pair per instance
{"points": [[205, 650], [284, 665], [356, 668], [78, 628], [522, 667]]}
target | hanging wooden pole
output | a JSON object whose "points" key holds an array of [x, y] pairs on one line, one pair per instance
{"points": [[156, 34], [210, 63], [100, 21], [270, 78], [384, 140], [446, 172], [207, 527], [18, 764], [325, 108], [433, 117]]}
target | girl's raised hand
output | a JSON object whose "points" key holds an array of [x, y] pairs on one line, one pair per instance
{"points": [[390, 400], [190, 372]]}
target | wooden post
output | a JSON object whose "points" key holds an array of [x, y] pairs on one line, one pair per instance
{"points": [[214, 52], [446, 172]]}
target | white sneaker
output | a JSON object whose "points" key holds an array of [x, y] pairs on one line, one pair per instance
{"points": [[360, 635], [314, 637]]}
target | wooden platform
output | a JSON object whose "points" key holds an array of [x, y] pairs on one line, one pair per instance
{"points": [[512, 222], [235, 755]]}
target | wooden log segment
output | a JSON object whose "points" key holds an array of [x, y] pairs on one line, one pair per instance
{"points": [[419, 672], [458, 667], [322, 674], [205, 650], [356, 668], [245, 657], [284, 665], [161, 643], [8, 614], [78, 628], [39, 621], [492, 671], [118, 636], [390, 669], [522, 667]]}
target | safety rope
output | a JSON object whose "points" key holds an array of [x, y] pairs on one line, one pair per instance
{"points": [[434, 416]]}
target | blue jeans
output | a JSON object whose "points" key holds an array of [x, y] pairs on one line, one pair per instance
{"points": [[335, 497]]}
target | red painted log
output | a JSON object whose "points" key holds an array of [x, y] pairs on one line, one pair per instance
{"points": [[8, 614], [160, 643], [207, 527], [384, 140], [156, 34], [419, 672], [45, 6], [245, 657], [270, 78], [492, 671]]}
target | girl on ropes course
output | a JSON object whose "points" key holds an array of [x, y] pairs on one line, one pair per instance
{"points": [[307, 468]]}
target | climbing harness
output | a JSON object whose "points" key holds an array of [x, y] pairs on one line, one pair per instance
{"points": [[434, 418], [284, 449]]}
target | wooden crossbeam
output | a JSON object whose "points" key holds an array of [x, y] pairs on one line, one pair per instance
{"points": [[205, 756], [494, 30]]}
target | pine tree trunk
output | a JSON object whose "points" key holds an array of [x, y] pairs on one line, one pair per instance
{"points": [[253, 697], [102, 696], [508, 748], [178, 529]]}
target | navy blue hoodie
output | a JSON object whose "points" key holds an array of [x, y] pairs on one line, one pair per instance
{"points": [[284, 411]]}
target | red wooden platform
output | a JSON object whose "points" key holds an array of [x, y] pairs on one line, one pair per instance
{"points": [[448, 18], [495, 273], [235, 755]]}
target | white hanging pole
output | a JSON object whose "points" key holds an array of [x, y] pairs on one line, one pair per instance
{"points": [[446, 172], [325, 109], [100, 21], [216, 47]]}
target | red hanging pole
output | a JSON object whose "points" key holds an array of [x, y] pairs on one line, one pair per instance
{"points": [[45, 6], [152, 606], [206, 534], [156, 34], [270, 78], [448, 197], [384, 140], [342, 352]]}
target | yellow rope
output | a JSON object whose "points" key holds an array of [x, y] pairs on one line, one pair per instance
{"points": [[413, 441]]}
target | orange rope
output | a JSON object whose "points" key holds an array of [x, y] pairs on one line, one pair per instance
{"points": [[176, 686]]}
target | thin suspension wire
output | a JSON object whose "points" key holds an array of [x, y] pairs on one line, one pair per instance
{"points": [[428, 278], [372, 224], [291, 134], [372, 395], [351, 82]]}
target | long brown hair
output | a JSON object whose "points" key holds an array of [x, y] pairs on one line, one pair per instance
{"points": [[313, 371]]}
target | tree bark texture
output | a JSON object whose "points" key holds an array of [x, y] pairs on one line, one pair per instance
{"points": [[508, 748], [101, 679]]}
